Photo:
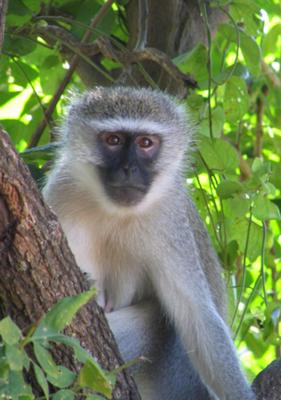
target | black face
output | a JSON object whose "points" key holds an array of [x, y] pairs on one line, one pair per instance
{"points": [[128, 168]]}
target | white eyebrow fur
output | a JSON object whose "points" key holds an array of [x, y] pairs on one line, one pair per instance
{"points": [[130, 125]]}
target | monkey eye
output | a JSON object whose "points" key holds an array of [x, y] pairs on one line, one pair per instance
{"points": [[112, 139], [147, 145], [144, 142]]}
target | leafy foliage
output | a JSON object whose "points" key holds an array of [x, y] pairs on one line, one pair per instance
{"points": [[237, 189], [92, 382], [236, 170]]}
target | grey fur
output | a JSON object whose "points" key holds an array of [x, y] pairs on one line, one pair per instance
{"points": [[156, 250]]}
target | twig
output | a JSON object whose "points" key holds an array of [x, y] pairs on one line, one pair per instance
{"points": [[203, 11], [259, 131], [245, 169], [143, 12], [137, 56], [271, 75], [3, 10], [73, 64]]}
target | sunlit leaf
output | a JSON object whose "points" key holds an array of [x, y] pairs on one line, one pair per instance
{"points": [[236, 207], [229, 188], [217, 123], [264, 209], [238, 230], [218, 154], [236, 100], [194, 62], [271, 39], [246, 12], [250, 49]]}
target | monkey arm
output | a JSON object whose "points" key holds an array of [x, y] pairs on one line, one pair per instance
{"points": [[181, 284], [132, 328], [166, 374]]}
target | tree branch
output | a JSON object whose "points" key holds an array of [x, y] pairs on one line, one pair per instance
{"points": [[73, 64]]}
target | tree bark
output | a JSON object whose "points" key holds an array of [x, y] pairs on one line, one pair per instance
{"points": [[39, 267], [267, 384]]}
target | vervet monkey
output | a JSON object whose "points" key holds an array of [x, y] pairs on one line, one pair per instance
{"points": [[117, 188]]}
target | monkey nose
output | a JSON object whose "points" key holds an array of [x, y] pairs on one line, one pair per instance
{"points": [[129, 169]]}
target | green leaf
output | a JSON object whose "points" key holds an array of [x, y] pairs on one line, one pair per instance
{"points": [[236, 207], [219, 155], [51, 76], [18, 46], [41, 379], [217, 123], [26, 361], [63, 379], [57, 375], [81, 354], [259, 166], [264, 209], [9, 331], [45, 359], [194, 62], [251, 53], [249, 47], [236, 99], [4, 371], [269, 6], [15, 357], [245, 12], [238, 230], [18, 14], [61, 314], [23, 73], [271, 39], [93, 377], [17, 386], [256, 345], [64, 394], [33, 5], [227, 189]]}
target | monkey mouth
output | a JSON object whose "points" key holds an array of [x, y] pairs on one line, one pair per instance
{"points": [[127, 195]]}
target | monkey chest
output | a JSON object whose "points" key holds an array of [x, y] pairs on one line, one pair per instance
{"points": [[113, 255], [121, 270]]}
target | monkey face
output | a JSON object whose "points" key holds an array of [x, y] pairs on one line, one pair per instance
{"points": [[125, 147], [128, 166]]}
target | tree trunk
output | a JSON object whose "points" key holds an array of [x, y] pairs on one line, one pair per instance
{"points": [[39, 268], [267, 384]]}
